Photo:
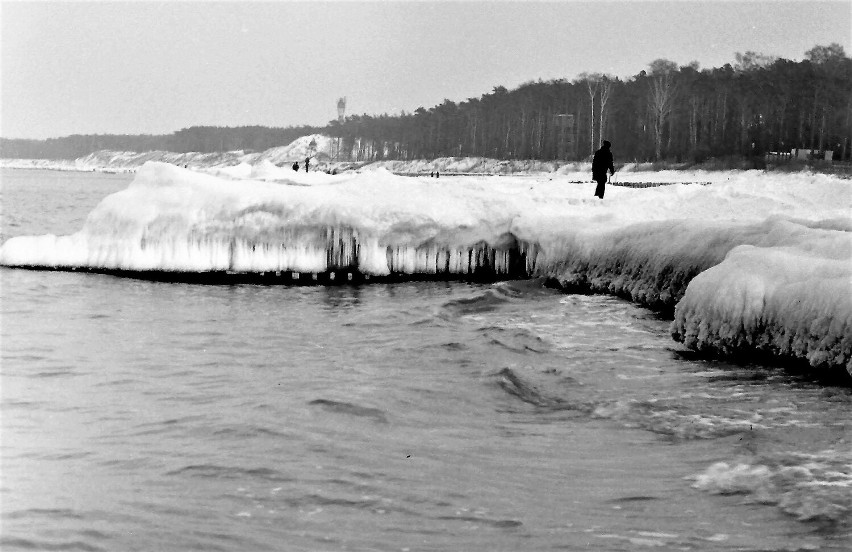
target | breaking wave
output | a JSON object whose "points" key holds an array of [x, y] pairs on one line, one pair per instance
{"points": [[810, 487]]}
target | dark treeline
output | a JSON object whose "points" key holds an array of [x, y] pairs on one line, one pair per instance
{"points": [[680, 113], [757, 105]]}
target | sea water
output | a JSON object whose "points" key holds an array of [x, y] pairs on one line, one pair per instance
{"points": [[142, 415]]}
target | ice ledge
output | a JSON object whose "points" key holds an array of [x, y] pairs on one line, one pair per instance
{"points": [[784, 302], [319, 255], [781, 288]]}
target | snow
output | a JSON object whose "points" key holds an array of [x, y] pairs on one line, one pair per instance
{"points": [[298, 150], [129, 161], [750, 261]]}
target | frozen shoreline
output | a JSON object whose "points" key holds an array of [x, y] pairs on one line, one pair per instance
{"points": [[753, 262]]}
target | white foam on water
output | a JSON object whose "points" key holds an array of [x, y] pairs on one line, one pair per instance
{"points": [[808, 486]]}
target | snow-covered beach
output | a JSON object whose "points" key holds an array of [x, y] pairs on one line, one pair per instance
{"points": [[748, 261]]}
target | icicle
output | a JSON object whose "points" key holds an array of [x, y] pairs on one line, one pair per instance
{"points": [[285, 252]]}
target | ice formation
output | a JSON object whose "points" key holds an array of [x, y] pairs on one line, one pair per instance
{"points": [[753, 261], [172, 219], [791, 299]]}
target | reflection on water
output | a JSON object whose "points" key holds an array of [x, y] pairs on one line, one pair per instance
{"points": [[341, 297]]}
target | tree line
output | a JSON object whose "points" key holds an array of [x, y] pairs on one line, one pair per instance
{"points": [[758, 104], [682, 113]]}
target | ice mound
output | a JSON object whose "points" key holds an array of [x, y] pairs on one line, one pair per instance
{"points": [[792, 300], [172, 219], [652, 263]]}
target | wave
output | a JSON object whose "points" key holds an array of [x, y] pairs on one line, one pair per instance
{"points": [[350, 409], [214, 471], [811, 487], [758, 263], [510, 382], [10, 543], [489, 301]]}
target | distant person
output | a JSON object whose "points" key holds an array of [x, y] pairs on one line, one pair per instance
{"points": [[758, 160], [307, 163], [296, 166], [601, 162]]}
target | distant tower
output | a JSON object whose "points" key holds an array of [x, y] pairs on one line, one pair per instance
{"points": [[341, 115], [341, 109]]}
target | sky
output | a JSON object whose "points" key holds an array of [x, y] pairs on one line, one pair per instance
{"points": [[155, 67]]}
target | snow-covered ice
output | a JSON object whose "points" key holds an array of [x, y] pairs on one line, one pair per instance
{"points": [[752, 261], [790, 299]]}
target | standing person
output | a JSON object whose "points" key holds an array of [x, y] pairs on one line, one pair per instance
{"points": [[307, 162], [602, 162]]}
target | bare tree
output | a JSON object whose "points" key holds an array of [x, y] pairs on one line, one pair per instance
{"points": [[592, 80], [606, 83], [662, 88]]}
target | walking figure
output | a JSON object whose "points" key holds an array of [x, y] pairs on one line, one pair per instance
{"points": [[307, 162], [601, 163]]}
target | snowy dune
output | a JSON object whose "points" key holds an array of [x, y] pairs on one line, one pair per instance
{"points": [[753, 262], [130, 161]]}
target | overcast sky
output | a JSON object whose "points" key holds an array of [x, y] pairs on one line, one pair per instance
{"points": [[156, 67]]}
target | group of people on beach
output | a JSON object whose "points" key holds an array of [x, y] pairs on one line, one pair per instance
{"points": [[307, 164]]}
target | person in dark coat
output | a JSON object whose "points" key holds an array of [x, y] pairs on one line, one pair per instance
{"points": [[307, 163], [601, 163], [296, 166]]}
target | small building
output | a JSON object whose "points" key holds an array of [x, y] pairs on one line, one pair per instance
{"points": [[803, 154]]}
